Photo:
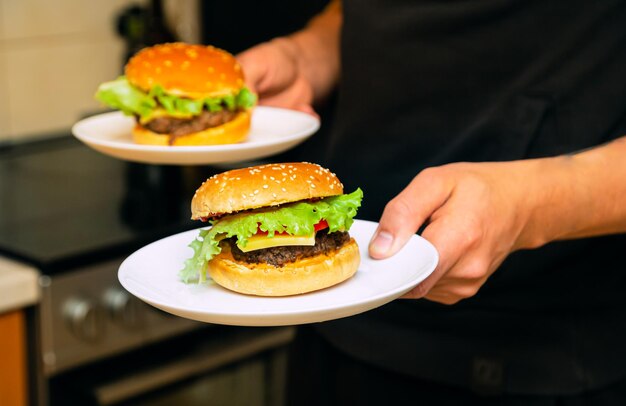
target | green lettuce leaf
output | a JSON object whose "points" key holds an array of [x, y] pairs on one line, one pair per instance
{"points": [[295, 219], [121, 95]]}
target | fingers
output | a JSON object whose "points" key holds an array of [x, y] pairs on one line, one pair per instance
{"points": [[462, 270], [297, 96], [271, 71], [404, 215], [446, 243], [255, 70]]}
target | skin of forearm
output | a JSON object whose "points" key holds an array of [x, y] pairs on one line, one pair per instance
{"points": [[576, 196], [316, 49]]}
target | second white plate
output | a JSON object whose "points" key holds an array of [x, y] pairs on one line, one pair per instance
{"points": [[273, 130], [151, 274]]}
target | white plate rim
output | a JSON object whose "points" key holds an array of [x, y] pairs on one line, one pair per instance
{"points": [[381, 298], [81, 130]]}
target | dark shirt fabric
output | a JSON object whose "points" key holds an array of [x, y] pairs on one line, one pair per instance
{"points": [[426, 83]]}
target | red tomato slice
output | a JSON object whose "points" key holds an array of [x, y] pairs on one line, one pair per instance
{"points": [[321, 225]]}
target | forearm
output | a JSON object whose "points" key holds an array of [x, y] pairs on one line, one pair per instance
{"points": [[316, 49], [576, 196]]}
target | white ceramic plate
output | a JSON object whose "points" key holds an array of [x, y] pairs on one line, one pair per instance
{"points": [[151, 274], [273, 130]]}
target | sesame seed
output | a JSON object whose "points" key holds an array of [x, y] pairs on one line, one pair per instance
{"points": [[283, 189], [265, 186], [256, 192], [313, 186]]}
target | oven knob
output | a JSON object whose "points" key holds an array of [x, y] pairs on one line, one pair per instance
{"points": [[123, 308], [84, 318]]}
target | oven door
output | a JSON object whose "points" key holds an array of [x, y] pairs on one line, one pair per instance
{"points": [[219, 366]]}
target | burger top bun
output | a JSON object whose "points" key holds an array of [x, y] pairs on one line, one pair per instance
{"points": [[193, 71], [262, 186]]}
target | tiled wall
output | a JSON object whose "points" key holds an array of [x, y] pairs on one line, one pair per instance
{"points": [[53, 55]]}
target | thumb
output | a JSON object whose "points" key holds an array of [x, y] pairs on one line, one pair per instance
{"points": [[406, 213]]}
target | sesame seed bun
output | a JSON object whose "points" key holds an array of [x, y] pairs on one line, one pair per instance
{"points": [[231, 132], [262, 186], [193, 71], [302, 276]]}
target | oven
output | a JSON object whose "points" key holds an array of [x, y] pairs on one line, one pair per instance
{"points": [[76, 215], [101, 346]]}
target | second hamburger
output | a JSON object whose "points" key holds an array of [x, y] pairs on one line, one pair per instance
{"points": [[277, 230], [182, 94]]}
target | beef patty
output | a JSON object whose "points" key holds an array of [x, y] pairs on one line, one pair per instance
{"points": [[178, 127], [279, 256]]}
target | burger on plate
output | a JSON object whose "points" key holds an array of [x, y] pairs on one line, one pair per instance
{"points": [[182, 94], [277, 230]]}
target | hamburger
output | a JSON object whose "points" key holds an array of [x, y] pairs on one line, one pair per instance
{"points": [[182, 94], [277, 230]]}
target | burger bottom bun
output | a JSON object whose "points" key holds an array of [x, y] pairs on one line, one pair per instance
{"points": [[305, 275], [231, 132]]}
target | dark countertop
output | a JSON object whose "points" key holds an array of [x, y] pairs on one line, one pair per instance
{"points": [[64, 205]]}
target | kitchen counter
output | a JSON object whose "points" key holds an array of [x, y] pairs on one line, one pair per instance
{"points": [[18, 285]]}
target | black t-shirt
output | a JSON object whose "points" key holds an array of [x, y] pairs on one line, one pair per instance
{"points": [[426, 83]]}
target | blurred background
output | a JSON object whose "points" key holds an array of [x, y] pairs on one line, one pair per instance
{"points": [[69, 334], [54, 54]]}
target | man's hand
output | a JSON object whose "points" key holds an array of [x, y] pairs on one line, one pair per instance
{"points": [[476, 214], [474, 217], [298, 70], [273, 72]]}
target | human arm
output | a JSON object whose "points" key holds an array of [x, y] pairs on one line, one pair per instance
{"points": [[298, 70], [478, 213]]}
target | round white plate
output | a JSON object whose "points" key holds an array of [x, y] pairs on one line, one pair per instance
{"points": [[151, 274], [273, 130]]}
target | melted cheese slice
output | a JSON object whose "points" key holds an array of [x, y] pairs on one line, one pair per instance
{"points": [[257, 242], [159, 112]]}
